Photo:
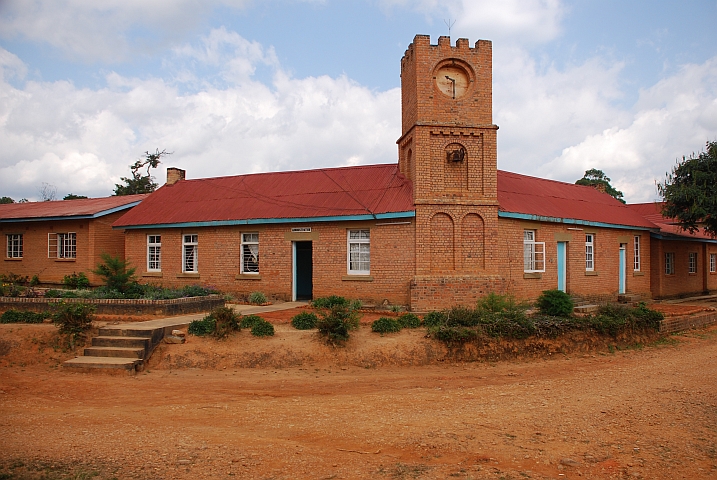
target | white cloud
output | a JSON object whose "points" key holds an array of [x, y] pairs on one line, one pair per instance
{"points": [[82, 140], [107, 30], [673, 118]]}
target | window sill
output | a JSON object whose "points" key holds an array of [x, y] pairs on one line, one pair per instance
{"points": [[532, 275], [357, 278], [591, 273], [248, 276], [152, 274], [13, 259], [65, 259], [187, 275], [692, 274], [638, 274]]}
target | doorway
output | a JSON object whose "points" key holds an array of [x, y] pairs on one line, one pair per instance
{"points": [[623, 272], [303, 271], [562, 267]]}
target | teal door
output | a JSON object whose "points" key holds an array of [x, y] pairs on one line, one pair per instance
{"points": [[303, 271], [562, 267], [621, 287]]}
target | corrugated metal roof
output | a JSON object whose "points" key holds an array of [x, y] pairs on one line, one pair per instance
{"points": [[330, 192], [558, 200], [668, 226], [83, 208]]}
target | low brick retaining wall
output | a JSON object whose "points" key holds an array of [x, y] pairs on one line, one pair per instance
{"points": [[177, 306], [687, 322]]}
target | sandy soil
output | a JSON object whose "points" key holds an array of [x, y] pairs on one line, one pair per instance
{"points": [[371, 410]]}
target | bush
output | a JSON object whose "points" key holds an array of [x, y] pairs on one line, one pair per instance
{"points": [[329, 302], [257, 298], [462, 316], [333, 329], [16, 316], [115, 272], [73, 319], [453, 336], [304, 321], [647, 318], [409, 320], [249, 321], [226, 321], [202, 327], [385, 325], [76, 280], [34, 281], [507, 324], [435, 319], [262, 328], [555, 303]]}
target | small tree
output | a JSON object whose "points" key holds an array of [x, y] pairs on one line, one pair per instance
{"points": [[115, 272], [141, 183], [690, 191], [597, 178], [6, 200], [72, 196]]}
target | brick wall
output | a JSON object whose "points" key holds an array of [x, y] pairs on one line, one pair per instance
{"points": [[688, 322], [93, 237], [219, 253], [681, 282]]}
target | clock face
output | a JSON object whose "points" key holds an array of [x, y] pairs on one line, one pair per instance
{"points": [[452, 81]]}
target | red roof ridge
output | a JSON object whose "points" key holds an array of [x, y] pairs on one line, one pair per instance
{"points": [[287, 172]]}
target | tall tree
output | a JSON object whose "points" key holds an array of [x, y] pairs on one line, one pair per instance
{"points": [[140, 183], [597, 179], [690, 191], [6, 200]]}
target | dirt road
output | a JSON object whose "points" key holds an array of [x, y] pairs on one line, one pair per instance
{"points": [[643, 413]]}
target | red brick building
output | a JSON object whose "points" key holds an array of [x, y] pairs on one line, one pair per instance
{"points": [[54, 239], [682, 263], [440, 228]]}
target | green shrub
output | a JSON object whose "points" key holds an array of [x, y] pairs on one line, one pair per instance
{"points": [[435, 319], [555, 303], [248, 321], [202, 327], [16, 316], [262, 329], [73, 319], [76, 280], [53, 293], [409, 320], [329, 302], [334, 329], [507, 324], [226, 321], [462, 316], [257, 298], [385, 325], [647, 318], [116, 273], [453, 336], [34, 281], [304, 321]]}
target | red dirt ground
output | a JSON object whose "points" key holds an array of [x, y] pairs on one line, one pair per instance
{"points": [[648, 411]]}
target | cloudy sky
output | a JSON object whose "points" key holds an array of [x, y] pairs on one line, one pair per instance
{"points": [[238, 86]]}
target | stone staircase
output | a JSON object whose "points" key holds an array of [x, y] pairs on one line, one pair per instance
{"points": [[118, 348], [581, 306]]}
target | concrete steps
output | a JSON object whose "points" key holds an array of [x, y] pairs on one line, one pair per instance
{"points": [[120, 349]]}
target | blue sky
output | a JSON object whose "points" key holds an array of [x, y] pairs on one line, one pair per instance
{"points": [[238, 86]]}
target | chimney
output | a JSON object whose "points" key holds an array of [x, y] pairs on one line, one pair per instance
{"points": [[174, 175]]}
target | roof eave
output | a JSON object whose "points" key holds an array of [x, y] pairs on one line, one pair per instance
{"points": [[72, 217], [570, 221]]}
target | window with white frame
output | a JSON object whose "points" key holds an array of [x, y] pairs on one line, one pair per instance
{"points": [[589, 252], [190, 244], [713, 262], [692, 265], [533, 253], [636, 248], [62, 245], [359, 252], [669, 264], [14, 245], [250, 253], [154, 253]]}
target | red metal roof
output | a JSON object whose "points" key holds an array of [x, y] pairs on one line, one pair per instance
{"points": [[668, 226], [330, 192], [83, 207], [548, 198]]}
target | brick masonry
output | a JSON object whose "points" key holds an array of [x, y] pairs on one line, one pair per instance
{"points": [[688, 322]]}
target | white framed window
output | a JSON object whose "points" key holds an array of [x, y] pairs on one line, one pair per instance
{"points": [[669, 263], [62, 245], [713, 262], [154, 253], [533, 253], [359, 252], [250, 253], [14, 245], [692, 265], [636, 248], [589, 252], [190, 244]]}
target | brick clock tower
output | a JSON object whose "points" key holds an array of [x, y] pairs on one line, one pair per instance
{"points": [[448, 150]]}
